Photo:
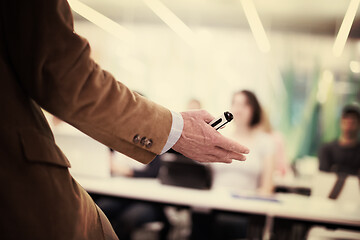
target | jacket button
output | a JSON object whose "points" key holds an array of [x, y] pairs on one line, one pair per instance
{"points": [[136, 138], [148, 143], [143, 140]]}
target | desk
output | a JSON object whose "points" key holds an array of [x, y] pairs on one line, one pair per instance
{"points": [[290, 207]]}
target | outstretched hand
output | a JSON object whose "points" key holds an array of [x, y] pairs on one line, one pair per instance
{"points": [[201, 142]]}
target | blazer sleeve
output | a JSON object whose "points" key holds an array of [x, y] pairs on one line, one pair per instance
{"points": [[53, 66]]}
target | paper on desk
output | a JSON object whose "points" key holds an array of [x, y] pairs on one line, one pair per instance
{"points": [[254, 197]]}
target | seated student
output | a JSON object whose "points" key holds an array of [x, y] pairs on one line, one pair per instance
{"points": [[341, 157], [343, 154], [254, 176]]}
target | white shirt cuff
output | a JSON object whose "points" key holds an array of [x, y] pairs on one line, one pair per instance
{"points": [[175, 132]]}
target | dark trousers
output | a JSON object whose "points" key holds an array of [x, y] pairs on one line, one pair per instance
{"points": [[218, 226], [126, 216]]}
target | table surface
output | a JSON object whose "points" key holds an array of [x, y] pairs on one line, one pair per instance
{"points": [[283, 206]]}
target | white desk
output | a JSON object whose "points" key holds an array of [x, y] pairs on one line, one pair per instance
{"points": [[292, 207]]}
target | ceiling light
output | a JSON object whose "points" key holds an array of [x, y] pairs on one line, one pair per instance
{"points": [[100, 20], [255, 25], [345, 28], [173, 21]]}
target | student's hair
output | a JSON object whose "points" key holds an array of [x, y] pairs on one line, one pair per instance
{"points": [[351, 110], [254, 104]]}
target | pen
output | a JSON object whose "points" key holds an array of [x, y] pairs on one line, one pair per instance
{"points": [[222, 120]]}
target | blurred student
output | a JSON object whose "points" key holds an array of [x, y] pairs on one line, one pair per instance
{"points": [[253, 177], [341, 158], [343, 154], [256, 175]]}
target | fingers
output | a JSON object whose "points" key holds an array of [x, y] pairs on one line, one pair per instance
{"points": [[230, 145], [221, 153], [212, 158]]}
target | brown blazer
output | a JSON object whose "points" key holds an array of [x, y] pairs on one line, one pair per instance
{"points": [[43, 63]]}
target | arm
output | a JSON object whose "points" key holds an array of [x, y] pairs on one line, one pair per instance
{"points": [[267, 184], [268, 146], [54, 68]]}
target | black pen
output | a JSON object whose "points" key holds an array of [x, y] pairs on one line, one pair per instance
{"points": [[222, 120]]}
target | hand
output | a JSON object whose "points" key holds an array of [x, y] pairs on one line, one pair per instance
{"points": [[201, 142]]}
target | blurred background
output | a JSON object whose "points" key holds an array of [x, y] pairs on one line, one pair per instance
{"points": [[300, 58], [173, 51]]}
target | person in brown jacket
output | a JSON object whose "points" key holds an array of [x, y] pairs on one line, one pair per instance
{"points": [[44, 63]]}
